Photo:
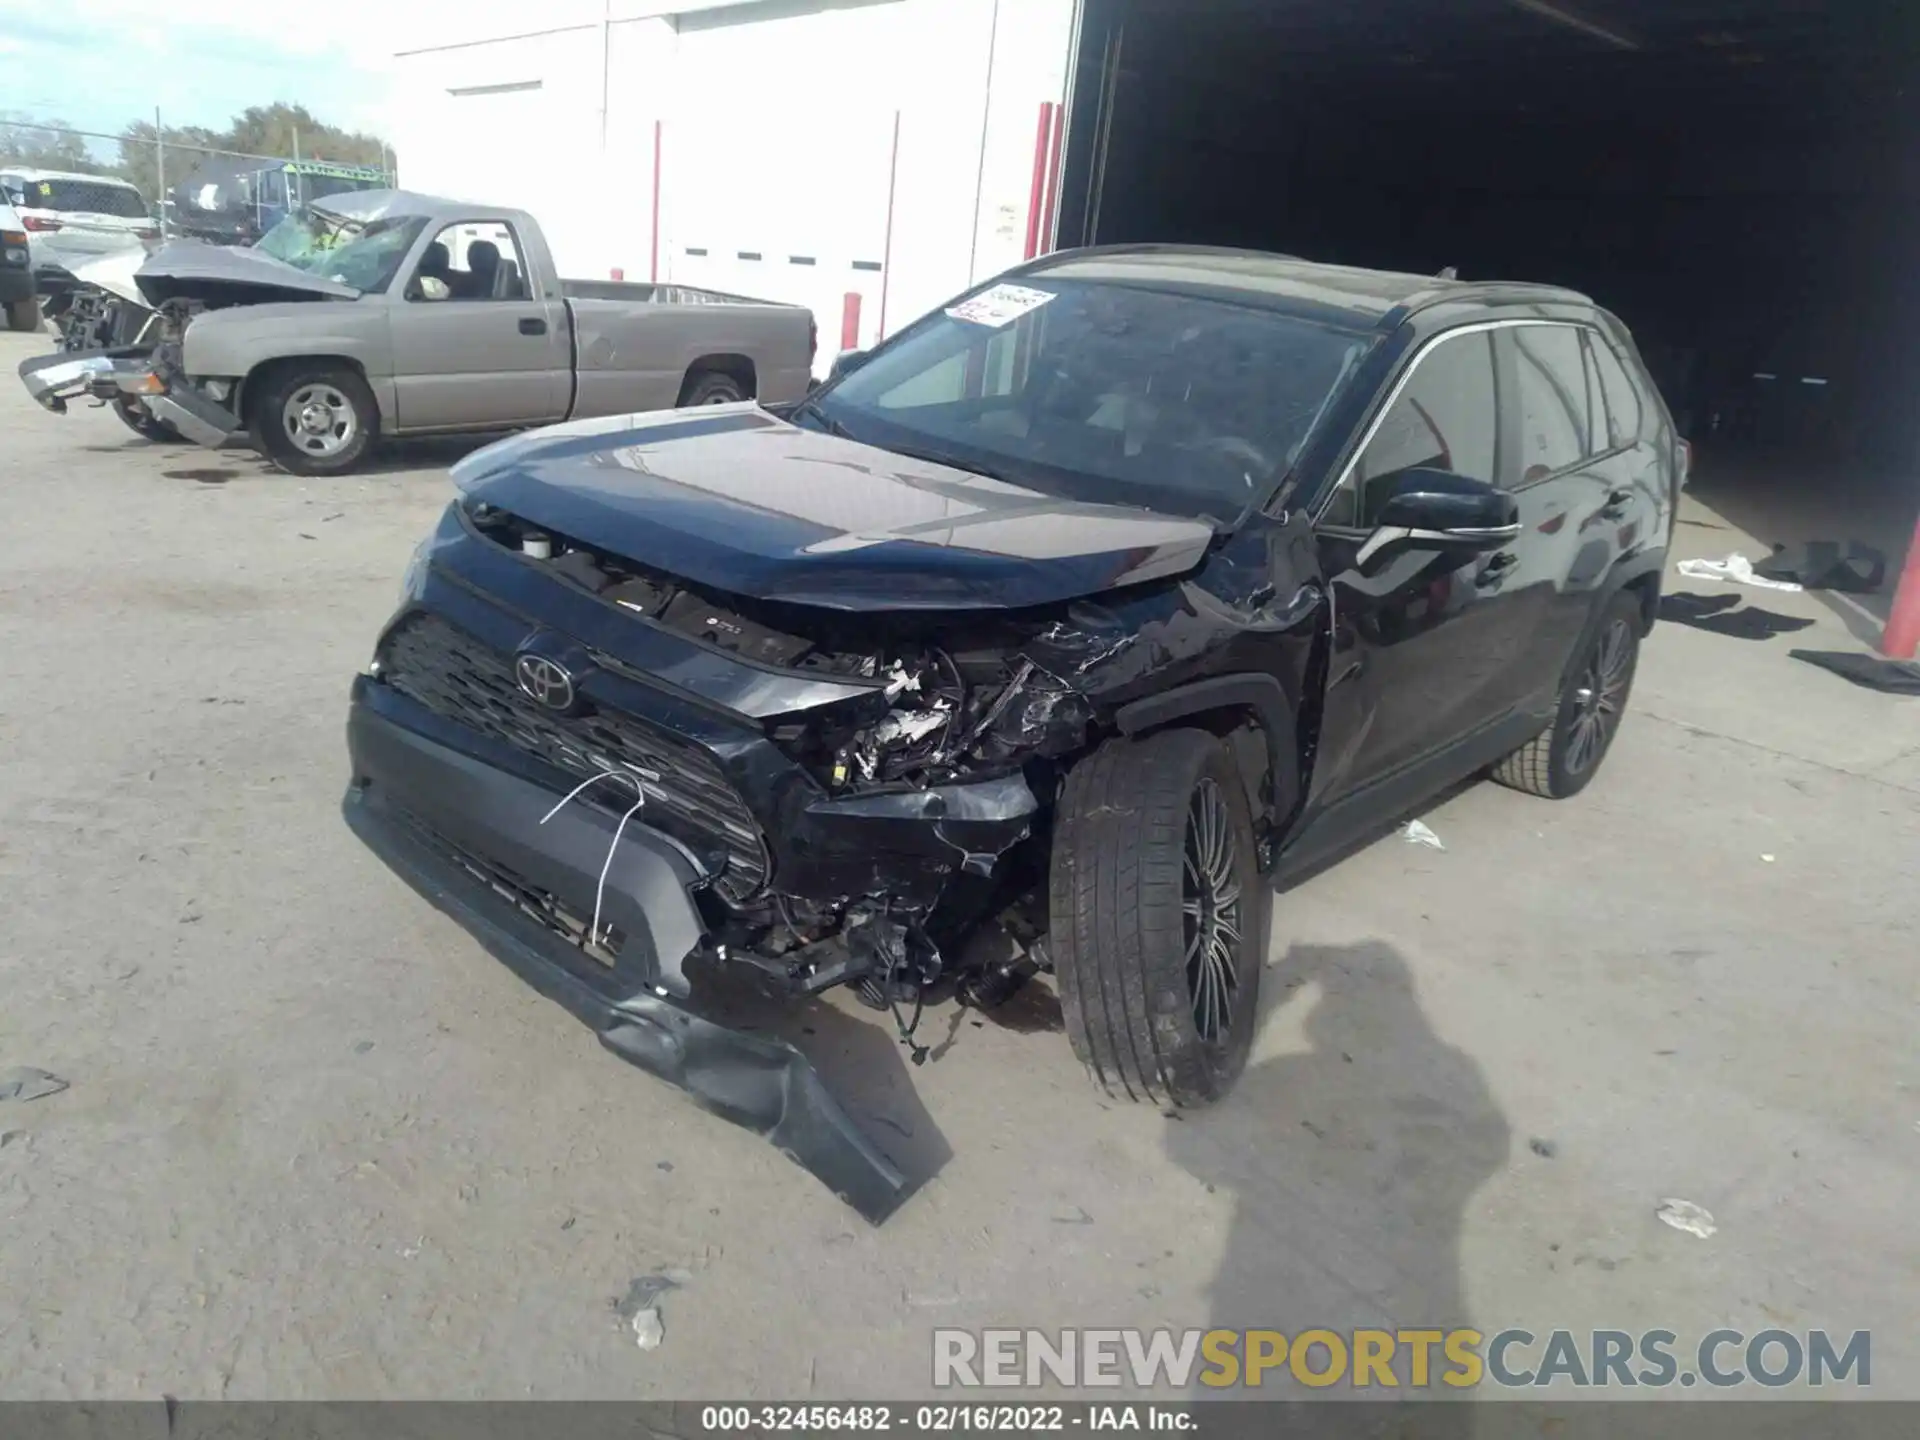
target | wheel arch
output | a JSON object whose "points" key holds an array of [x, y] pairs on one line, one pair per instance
{"points": [[735, 366], [1225, 705], [254, 382]]}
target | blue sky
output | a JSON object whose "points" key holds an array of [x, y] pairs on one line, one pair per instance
{"points": [[99, 63]]}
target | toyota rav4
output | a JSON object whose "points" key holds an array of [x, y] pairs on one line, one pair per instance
{"points": [[1046, 637]]}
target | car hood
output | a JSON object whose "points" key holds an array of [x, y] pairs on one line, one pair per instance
{"points": [[114, 272], [736, 499], [195, 270]]}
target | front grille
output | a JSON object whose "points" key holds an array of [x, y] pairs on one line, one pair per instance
{"points": [[688, 796]]}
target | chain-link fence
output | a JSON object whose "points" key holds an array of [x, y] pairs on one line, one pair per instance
{"points": [[185, 185]]}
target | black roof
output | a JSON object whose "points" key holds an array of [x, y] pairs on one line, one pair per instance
{"points": [[1287, 282]]}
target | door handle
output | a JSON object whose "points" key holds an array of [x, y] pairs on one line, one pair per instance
{"points": [[1494, 569], [1617, 503], [533, 325]]}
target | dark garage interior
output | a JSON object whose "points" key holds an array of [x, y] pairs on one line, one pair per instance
{"points": [[1739, 180]]}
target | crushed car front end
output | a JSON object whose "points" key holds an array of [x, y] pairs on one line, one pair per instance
{"points": [[625, 785]]}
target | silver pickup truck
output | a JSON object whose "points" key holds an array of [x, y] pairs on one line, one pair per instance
{"points": [[390, 313]]}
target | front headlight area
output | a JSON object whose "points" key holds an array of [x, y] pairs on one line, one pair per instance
{"points": [[947, 717]]}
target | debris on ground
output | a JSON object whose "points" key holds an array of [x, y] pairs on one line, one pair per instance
{"points": [[1890, 677], [1545, 1149], [1768, 859], [640, 1307], [1732, 567], [1843, 565], [1685, 1215], [24, 1083], [1727, 615], [1418, 832]]}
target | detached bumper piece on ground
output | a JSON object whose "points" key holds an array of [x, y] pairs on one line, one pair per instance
{"points": [[518, 915]]}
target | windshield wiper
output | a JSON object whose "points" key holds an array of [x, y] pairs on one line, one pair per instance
{"points": [[832, 426]]}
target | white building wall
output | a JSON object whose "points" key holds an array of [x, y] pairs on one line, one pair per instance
{"points": [[778, 123]]}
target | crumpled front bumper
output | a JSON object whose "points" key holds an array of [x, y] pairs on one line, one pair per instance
{"points": [[104, 375], [53, 380], [431, 812]]}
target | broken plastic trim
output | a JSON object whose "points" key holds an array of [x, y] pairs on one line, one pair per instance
{"points": [[764, 1085]]}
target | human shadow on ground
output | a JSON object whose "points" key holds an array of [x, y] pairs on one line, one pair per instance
{"points": [[1351, 1167]]}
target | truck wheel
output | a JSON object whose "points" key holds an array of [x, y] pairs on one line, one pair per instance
{"points": [[23, 315], [315, 420], [1158, 917], [711, 387], [1558, 762], [135, 417]]}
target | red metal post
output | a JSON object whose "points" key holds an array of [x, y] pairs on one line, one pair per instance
{"points": [[886, 253], [654, 272], [850, 321], [1053, 181], [1037, 197], [1902, 637]]}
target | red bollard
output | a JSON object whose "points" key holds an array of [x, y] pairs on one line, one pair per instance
{"points": [[850, 321], [1902, 637]]}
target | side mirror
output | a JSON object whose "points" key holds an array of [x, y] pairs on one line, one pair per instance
{"points": [[845, 363], [1439, 510]]}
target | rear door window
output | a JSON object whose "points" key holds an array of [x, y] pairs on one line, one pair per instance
{"points": [[1622, 398], [1556, 422], [95, 197], [1446, 418]]}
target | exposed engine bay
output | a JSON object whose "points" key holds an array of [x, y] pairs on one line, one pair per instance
{"points": [[946, 708]]}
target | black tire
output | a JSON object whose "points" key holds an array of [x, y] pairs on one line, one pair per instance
{"points": [[23, 315], [1124, 919], [711, 387], [337, 388], [1562, 760], [135, 417]]}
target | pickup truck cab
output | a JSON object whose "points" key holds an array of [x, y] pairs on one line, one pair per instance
{"points": [[390, 313]]}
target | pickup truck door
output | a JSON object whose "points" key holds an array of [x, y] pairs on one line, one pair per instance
{"points": [[472, 347]]}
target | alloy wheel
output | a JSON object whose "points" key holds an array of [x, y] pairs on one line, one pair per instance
{"points": [[1211, 907], [1600, 698]]}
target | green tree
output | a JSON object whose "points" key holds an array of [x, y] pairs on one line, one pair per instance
{"points": [[43, 144]]}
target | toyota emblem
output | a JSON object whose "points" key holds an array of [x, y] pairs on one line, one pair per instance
{"points": [[544, 682]]}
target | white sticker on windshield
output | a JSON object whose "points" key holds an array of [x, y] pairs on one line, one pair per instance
{"points": [[1002, 305]]}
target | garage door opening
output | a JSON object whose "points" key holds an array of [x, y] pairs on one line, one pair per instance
{"points": [[1739, 180]]}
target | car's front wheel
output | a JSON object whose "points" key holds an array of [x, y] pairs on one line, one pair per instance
{"points": [[1158, 917], [23, 315], [314, 420], [1559, 762]]}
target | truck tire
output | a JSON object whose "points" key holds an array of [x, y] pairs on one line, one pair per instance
{"points": [[1158, 917], [711, 387], [23, 315], [135, 417], [1558, 763], [313, 419]]}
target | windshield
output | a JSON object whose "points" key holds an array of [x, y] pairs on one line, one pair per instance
{"points": [[92, 197], [363, 254], [1096, 391]]}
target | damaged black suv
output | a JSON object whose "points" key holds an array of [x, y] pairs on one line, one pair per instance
{"points": [[1043, 638]]}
